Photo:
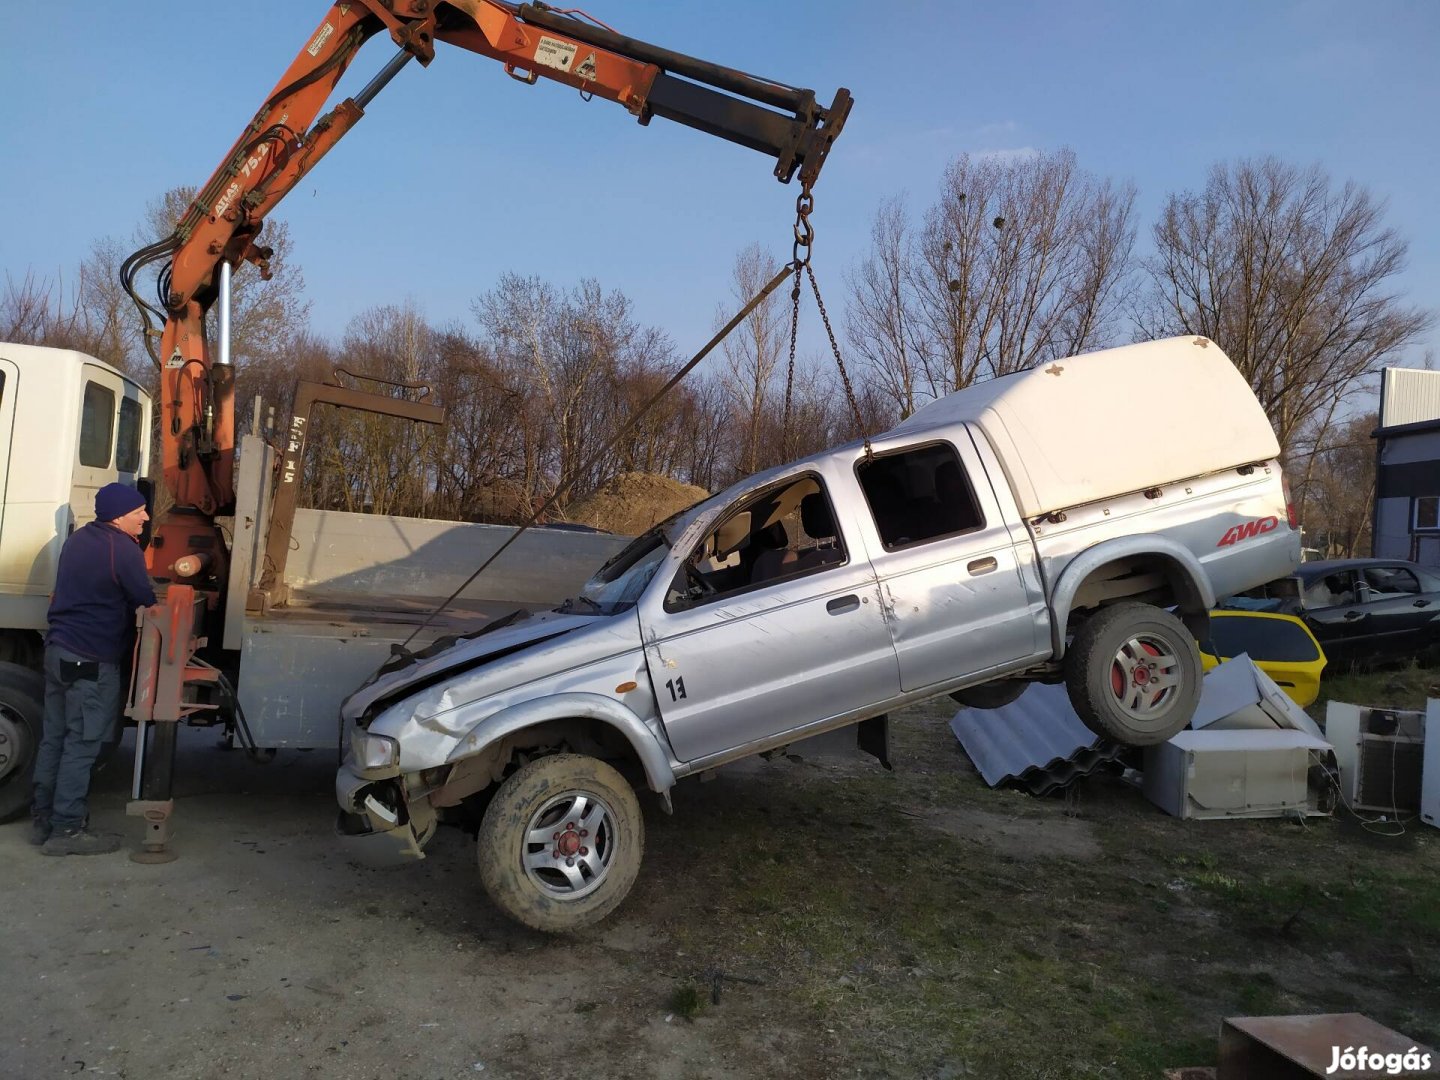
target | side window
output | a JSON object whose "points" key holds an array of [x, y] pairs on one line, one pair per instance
{"points": [[1427, 513], [784, 532], [1262, 639], [919, 495], [1330, 591], [1388, 581], [97, 425], [127, 438]]}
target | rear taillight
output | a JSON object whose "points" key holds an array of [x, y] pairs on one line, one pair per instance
{"points": [[1290, 514]]}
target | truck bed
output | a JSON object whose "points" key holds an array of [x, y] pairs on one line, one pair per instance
{"points": [[302, 660], [380, 614]]}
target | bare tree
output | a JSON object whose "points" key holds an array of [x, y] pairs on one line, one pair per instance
{"points": [[478, 462], [1292, 277], [1020, 261], [1337, 487], [752, 353], [36, 311], [882, 323], [585, 365], [383, 457]]}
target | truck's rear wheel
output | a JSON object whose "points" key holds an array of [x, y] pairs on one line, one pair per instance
{"points": [[22, 716], [561, 843], [1133, 673]]}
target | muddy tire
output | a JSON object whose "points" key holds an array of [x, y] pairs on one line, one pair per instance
{"points": [[560, 844], [991, 695], [22, 716], [1133, 673]]}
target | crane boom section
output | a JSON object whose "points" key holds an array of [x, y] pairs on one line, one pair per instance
{"points": [[288, 136]]}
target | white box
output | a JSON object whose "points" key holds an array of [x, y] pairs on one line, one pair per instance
{"points": [[1228, 774]]}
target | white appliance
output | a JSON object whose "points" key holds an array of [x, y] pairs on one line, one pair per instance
{"points": [[1250, 772]]}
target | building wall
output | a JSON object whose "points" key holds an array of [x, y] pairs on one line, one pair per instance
{"points": [[1409, 396], [1409, 468]]}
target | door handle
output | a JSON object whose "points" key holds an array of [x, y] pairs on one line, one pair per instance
{"points": [[982, 566], [1421, 603], [842, 604], [1351, 616]]}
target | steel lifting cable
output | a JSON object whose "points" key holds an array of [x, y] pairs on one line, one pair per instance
{"points": [[800, 261], [595, 458]]}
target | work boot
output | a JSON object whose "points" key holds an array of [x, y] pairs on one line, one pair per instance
{"points": [[39, 830], [80, 842]]}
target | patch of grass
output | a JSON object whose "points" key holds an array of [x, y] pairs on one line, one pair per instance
{"points": [[687, 1001], [1396, 688]]}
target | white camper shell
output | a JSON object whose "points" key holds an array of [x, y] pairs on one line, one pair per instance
{"points": [[1109, 423]]}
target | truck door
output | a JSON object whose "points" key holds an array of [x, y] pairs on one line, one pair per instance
{"points": [[947, 566], [770, 622], [111, 438]]}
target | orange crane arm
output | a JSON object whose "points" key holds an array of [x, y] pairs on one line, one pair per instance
{"points": [[285, 140]]}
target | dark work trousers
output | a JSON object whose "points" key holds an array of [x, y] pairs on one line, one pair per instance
{"points": [[82, 708]]}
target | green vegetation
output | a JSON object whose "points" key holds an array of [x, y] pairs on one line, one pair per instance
{"points": [[687, 1001], [1400, 688]]}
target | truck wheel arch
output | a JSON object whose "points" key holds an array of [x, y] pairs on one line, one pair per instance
{"points": [[649, 751], [1113, 561]]}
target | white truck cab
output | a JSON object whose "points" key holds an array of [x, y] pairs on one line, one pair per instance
{"points": [[69, 425]]}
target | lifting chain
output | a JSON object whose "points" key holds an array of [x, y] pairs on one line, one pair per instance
{"points": [[800, 261]]}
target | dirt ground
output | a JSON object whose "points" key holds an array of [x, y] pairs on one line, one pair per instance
{"points": [[261, 952], [855, 923]]}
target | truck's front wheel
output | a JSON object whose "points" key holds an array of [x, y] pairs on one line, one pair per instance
{"points": [[22, 716], [1133, 673], [560, 844]]}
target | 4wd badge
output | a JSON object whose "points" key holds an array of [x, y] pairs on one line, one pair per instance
{"points": [[1236, 533]]}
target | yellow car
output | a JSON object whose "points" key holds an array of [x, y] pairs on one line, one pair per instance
{"points": [[1281, 646]]}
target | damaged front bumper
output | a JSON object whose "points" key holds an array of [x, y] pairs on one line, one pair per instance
{"points": [[378, 825]]}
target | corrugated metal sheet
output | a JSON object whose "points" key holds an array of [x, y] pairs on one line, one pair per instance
{"points": [[1036, 741], [1409, 396]]}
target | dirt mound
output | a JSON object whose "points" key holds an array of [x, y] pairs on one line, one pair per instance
{"points": [[632, 502]]}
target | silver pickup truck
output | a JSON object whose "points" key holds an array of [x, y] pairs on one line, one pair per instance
{"points": [[1074, 523]]}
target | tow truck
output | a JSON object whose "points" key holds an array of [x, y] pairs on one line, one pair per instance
{"points": [[270, 613]]}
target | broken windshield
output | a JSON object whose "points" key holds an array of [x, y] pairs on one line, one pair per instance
{"points": [[618, 584]]}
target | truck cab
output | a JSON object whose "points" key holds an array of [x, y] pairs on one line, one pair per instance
{"points": [[69, 425]]}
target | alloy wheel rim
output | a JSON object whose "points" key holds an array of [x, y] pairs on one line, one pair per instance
{"points": [[569, 845], [1145, 677]]}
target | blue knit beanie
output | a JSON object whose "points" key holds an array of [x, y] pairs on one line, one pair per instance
{"points": [[116, 500]]}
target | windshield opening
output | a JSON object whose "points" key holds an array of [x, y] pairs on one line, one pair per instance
{"points": [[618, 584]]}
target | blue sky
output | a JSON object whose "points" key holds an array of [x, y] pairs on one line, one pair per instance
{"points": [[458, 174]]}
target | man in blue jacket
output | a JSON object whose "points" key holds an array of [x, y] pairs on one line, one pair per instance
{"points": [[99, 583]]}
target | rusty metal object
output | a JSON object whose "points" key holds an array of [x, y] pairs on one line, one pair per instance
{"points": [[308, 394], [185, 533], [154, 848], [162, 694], [1307, 1047]]}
